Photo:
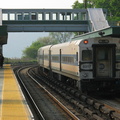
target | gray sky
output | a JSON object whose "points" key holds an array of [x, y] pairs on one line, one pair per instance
{"points": [[37, 3], [17, 42]]}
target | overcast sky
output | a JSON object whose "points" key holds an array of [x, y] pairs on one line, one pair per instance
{"points": [[19, 41], [37, 3]]}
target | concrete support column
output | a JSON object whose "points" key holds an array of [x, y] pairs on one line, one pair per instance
{"points": [[3, 36], [50, 16], [72, 15], [80, 16], [58, 16], [44, 16], [65, 17], [0, 17], [1, 49]]}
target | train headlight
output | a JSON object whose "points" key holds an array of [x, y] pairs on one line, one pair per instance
{"points": [[85, 41]]}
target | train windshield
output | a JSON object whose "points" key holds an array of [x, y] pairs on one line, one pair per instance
{"points": [[103, 54], [87, 55]]}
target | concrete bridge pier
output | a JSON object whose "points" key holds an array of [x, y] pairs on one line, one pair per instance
{"points": [[3, 33], [3, 36], [1, 49]]}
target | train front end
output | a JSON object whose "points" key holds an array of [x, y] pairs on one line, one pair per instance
{"points": [[100, 64]]}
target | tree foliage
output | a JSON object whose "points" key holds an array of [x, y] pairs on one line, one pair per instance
{"points": [[112, 6], [61, 37], [31, 51], [53, 38], [78, 5]]}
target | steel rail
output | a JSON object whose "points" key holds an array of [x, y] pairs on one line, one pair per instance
{"points": [[57, 101], [39, 113], [100, 107], [77, 104]]}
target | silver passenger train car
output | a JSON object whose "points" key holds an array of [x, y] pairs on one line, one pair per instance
{"points": [[91, 64]]}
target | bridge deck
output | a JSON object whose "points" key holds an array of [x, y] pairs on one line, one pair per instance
{"points": [[48, 20]]}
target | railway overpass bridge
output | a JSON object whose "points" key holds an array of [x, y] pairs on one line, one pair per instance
{"points": [[50, 20]]}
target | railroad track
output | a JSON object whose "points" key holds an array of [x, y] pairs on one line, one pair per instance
{"points": [[46, 106], [113, 103], [91, 109], [88, 108], [36, 111]]}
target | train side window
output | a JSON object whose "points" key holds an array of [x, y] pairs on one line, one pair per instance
{"points": [[55, 58], [68, 59], [87, 55], [117, 54], [46, 57]]}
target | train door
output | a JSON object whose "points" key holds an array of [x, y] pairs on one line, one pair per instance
{"points": [[43, 58], [104, 61], [50, 59], [60, 60]]}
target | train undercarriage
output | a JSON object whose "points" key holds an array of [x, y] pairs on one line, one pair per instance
{"points": [[105, 87]]}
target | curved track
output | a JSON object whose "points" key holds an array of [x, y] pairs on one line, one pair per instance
{"points": [[87, 108], [46, 106], [90, 107]]}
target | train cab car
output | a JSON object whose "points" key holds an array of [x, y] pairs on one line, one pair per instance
{"points": [[99, 63], [91, 64]]}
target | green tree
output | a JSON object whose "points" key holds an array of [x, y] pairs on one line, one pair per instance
{"points": [[85, 4], [61, 37], [53, 38], [77, 5], [31, 51], [112, 6]]}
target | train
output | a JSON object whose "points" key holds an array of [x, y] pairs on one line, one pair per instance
{"points": [[91, 64]]}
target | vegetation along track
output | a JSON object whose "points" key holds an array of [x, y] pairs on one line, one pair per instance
{"points": [[42, 103]]}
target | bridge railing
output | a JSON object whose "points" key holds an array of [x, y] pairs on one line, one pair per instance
{"points": [[49, 20], [44, 14]]}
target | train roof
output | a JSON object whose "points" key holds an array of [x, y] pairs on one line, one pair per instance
{"points": [[45, 47], [110, 31], [66, 44]]}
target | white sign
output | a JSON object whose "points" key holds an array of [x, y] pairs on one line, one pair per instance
{"points": [[86, 66]]}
